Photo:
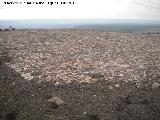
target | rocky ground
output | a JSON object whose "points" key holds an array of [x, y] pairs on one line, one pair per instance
{"points": [[79, 75]]}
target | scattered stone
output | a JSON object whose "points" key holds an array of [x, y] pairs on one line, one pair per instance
{"points": [[138, 84], [86, 80], [57, 83], [110, 87], [141, 66], [155, 85], [27, 76], [121, 75], [47, 43], [13, 84], [117, 85], [56, 100], [94, 80], [85, 112]]}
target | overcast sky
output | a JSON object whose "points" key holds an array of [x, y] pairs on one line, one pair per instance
{"points": [[88, 9]]}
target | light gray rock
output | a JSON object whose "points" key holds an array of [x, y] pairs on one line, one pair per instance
{"points": [[110, 87], [56, 100], [117, 85], [155, 85], [27, 76]]}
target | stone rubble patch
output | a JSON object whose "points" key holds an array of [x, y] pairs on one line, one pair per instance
{"points": [[65, 56]]}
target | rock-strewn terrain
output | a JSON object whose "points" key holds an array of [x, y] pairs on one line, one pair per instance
{"points": [[79, 75], [65, 56]]}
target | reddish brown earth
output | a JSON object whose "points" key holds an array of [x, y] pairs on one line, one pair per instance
{"points": [[79, 75]]}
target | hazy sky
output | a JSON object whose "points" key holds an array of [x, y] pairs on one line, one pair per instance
{"points": [[112, 9]]}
